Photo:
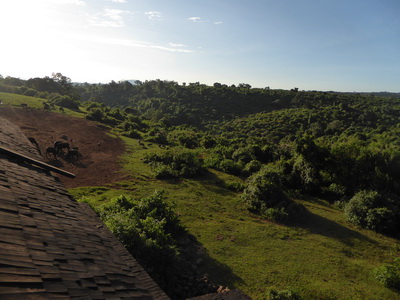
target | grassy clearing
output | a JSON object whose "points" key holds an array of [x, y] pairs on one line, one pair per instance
{"points": [[321, 257], [16, 100]]}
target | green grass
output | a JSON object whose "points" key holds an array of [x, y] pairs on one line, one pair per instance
{"points": [[320, 257], [15, 100]]}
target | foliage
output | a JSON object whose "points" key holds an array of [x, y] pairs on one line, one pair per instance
{"points": [[389, 274], [176, 164], [148, 228], [374, 211], [283, 295], [66, 101], [132, 134], [95, 114], [264, 195]]}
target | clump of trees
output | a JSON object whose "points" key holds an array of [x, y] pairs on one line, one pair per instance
{"points": [[174, 164], [375, 211], [265, 195]]}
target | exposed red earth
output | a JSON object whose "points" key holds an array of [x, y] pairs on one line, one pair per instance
{"points": [[98, 163]]}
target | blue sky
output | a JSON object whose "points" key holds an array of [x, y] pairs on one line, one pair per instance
{"points": [[340, 45]]}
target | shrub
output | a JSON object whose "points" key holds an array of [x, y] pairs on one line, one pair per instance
{"points": [[30, 92], [147, 227], [175, 164], [374, 211], [95, 114], [230, 167], [236, 186], [265, 196], [251, 167], [67, 102], [389, 274], [283, 295], [132, 134]]}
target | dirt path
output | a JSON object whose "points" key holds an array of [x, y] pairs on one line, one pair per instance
{"points": [[98, 164]]}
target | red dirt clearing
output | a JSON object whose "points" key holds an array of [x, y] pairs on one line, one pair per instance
{"points": [[98, 163]]}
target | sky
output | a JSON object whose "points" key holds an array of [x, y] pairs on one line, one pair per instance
{"points": [[327, 45]]}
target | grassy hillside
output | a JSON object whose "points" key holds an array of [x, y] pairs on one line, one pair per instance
{"points": [[16, 100], [320, 257]]}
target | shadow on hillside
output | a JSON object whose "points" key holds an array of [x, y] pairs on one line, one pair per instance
{"points": [[218, 273], [213, 183], [323, 226]]}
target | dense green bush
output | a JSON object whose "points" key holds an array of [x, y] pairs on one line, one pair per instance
{"points": [[176, 164], [66, 101], [184, 137], [146, 227], [389, 274], [229, 166], [265, 196], [374, 211], [132, 134], [95, 114], [251, 167], [150, 229], [30, 92]]}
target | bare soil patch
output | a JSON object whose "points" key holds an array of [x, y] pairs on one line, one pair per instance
{"points": [[98, 163]]}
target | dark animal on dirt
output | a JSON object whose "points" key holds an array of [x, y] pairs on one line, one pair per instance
{"points": [[60, 146], [72, 153], [51, 150]]}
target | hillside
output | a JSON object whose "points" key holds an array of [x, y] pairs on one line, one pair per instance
{"points": [[281, 192], [321, 257]]}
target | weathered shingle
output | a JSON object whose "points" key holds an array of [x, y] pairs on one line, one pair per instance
{"points": [[52, 247]]}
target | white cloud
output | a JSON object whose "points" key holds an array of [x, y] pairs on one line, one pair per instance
{"points": [[118, 1], [194, 19], [176, 45], [108, 18], [172, 47], [153, 15], [200, 20]]}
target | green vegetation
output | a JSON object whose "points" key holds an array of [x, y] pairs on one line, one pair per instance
{"points": [[286, 194], [389, 274], [175, 164]]}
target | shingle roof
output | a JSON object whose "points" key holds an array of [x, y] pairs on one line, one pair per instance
{"points": [[52, 247]]}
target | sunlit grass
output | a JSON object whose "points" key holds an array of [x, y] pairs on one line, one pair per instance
{"points": [[15, 100]]}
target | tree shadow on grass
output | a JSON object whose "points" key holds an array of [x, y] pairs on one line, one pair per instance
{"points": [[218, 273], [319, 225]]}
